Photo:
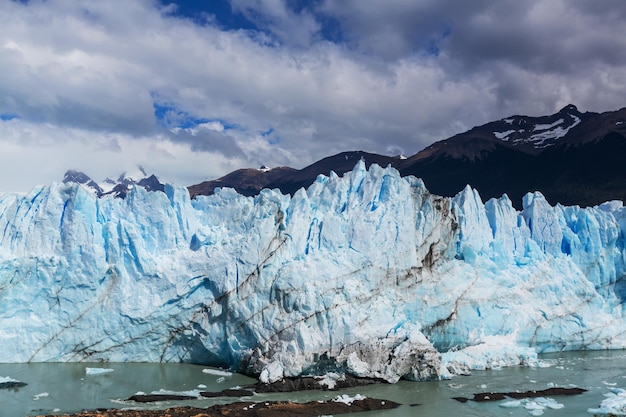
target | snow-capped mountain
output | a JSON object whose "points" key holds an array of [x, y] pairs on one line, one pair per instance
{"points": [[571, 157], [81, 178], [368, 273], [538, 133], [117, 188]]}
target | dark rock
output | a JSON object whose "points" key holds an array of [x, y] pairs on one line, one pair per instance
{"points": [[251, 409], [12, 385], [489, 396], [550, 392], [159, 397], [228, 393], [306, 383], [497, 396]]}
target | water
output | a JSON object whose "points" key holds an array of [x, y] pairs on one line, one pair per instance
{"points": [[67, 388]]}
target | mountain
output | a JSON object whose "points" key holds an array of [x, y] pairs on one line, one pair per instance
{"points": [[117, 188], [573, 158], [247, 181], [250, 182], [368, 274], [79, 177]]}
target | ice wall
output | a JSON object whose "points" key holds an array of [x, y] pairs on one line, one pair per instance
{"points": [[368, 273]]}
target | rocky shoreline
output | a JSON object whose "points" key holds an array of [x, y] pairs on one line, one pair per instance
{"points": [[340, 405]]}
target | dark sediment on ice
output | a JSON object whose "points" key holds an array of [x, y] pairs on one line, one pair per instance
{"points": [[251, 409], [305, 383], [497, 396]]}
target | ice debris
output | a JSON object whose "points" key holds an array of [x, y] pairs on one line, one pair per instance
{"points": [[97, 371]]}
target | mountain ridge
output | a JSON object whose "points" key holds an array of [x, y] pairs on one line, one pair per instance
{"points": [[513, 156]]}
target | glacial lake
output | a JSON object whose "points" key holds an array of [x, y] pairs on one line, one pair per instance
{"points": [[67, 388]]}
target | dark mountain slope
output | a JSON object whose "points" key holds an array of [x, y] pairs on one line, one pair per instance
{"points": [[250, 181], [573, 163], [571, 157]]}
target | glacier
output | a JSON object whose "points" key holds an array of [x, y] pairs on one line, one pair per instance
{"points": [[367, 273]]}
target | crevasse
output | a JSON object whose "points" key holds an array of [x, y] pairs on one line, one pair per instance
{"points": [[368, 273]]}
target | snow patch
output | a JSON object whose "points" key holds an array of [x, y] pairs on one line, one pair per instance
{"points": [[547, 126], [346, 399], [503, 135], [551, 131]]}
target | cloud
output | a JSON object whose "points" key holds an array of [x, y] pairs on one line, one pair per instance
{"points": [[41, 153], [108, 84], [290, 26]]}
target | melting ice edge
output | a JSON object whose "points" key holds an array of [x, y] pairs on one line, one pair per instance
{"points": [[368, 274]]}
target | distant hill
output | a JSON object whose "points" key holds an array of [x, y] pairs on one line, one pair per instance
{"points": [[573, 158], [117, 188]]}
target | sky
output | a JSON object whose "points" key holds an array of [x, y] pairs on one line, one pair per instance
{"points": [[194, 89]]}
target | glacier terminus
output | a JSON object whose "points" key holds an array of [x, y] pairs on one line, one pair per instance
{"points": [[367, 274]]}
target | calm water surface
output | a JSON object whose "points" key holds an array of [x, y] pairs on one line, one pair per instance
{"points": [[65, 388]]}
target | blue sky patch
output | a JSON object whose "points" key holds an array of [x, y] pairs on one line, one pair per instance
{"points": [[8, 116], [170, 116], [198, 10]]}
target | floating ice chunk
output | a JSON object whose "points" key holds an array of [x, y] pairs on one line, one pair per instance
{"points": [[511, 404], [613, 405], [217, 372], [40, 396], [346, 399], [190, 393], [534, 408], [201, 386], [549, 403], [98, 371]]}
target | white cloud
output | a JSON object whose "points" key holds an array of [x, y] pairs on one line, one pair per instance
{"points": [[82, 77]]}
